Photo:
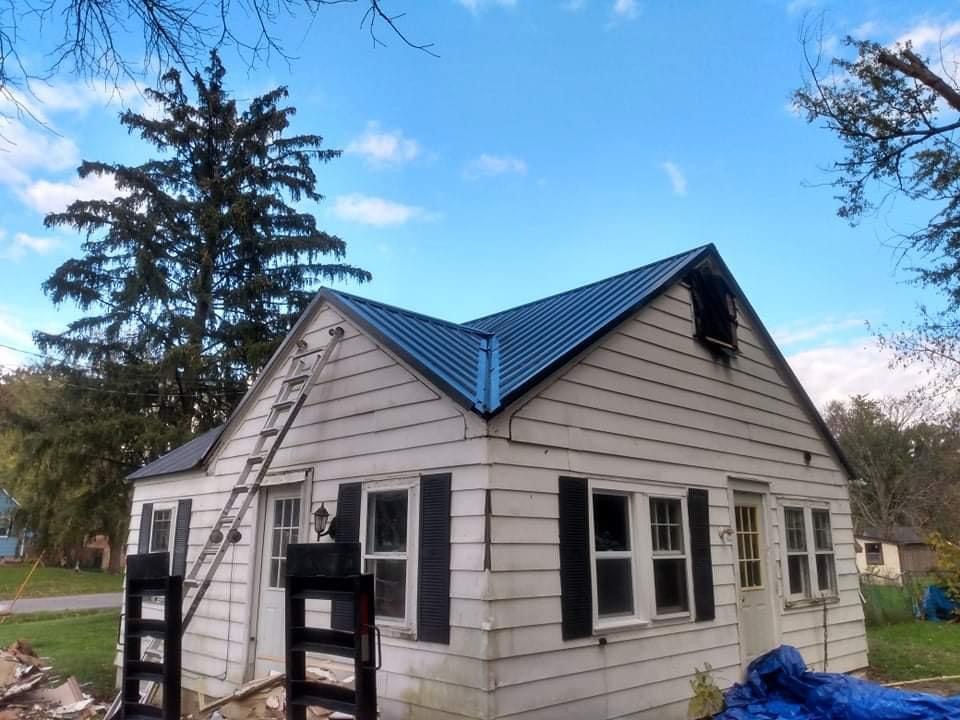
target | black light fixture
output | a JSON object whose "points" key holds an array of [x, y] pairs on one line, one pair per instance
{"points": [[321, 518]]}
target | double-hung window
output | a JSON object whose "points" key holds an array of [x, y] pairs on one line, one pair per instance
{"points": [[669, 556], [811, 565], [161, 529], [389, 541], [6, 523], [639, 555]]}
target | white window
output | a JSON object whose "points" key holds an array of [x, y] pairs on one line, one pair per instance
{"points": [[639, 555], [6, 522], [160, 530], [388, 544], [669, 556], [811, 565], [614, 558], [285, 529]]}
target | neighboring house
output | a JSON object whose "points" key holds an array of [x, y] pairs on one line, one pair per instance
{"points": [[11, 545], [569, 505], [894, 554]]}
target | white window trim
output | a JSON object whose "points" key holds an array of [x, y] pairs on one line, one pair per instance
{"points": [[644, 592], [293, 495], [867, 554], [172, 541], [6, 527], [412, 485], [814, 593]]}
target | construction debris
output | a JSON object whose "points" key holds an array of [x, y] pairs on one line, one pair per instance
{"points": [[265, 698], [28, 689]]}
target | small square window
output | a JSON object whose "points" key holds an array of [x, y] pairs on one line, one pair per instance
{"points": [[874, 553]]}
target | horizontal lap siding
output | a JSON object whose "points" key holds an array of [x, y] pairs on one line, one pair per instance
{"points": [[215, 641], [650, 404], [369, 418]]}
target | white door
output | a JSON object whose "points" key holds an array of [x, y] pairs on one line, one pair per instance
{"points": [[281, 526], [753, 577]]}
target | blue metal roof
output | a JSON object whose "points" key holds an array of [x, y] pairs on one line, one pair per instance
{"points": [[487, 363]]}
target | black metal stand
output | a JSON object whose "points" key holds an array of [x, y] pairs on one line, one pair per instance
{"points": [[148, 576], [313, 573]]}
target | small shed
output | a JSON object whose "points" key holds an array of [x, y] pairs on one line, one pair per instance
{"points": [[10, 546], [894, 553]]}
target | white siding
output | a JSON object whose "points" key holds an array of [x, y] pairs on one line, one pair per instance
{"points": [[650, 404], [647, 404], [369, 418]]}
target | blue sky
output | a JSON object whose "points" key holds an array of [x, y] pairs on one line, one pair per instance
{"points": [[550, 144]]}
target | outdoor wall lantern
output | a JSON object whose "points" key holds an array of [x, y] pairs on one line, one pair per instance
{"points": [[321, 518]]}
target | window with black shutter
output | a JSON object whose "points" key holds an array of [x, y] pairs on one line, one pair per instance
{"points": [[631, 554], [714, 311]]}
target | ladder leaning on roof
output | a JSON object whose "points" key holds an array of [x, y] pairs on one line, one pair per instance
{"points": [[294, 389]]}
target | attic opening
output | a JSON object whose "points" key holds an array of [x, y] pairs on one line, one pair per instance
{"points": [[714, 310]]}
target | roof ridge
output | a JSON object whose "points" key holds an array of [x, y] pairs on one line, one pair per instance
{"points": [[413, 313], [691, 251]]}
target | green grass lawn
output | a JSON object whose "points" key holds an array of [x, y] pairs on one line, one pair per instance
{"points": [[914, 650], [77, 643], [47, 581]]}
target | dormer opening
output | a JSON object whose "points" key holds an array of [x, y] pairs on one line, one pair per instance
{"points": [[714, 310]]}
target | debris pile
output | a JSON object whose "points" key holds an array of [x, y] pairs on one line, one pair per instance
{"points": [[265, 698], [29, 689]]}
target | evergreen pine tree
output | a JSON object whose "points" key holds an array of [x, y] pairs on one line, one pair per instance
{"points": [[195, 271]]}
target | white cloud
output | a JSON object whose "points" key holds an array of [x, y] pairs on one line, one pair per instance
{"points": [[25, 149], [802, 332], [929, 36], [475, 6], [626, 9], [678, 181], [489, 165], [384, 147], [22, 244], [860, 367], [376, 211], [48, 196], [865, 30]]}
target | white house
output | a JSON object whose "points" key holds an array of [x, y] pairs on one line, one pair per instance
{"points": [[569, 505]]}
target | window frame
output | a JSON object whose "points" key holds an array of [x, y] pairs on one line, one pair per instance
{"points": [[301, 530], [170, 507], [813, 592], [867, 554], [6, 523], [407, 624], [644, 591]]}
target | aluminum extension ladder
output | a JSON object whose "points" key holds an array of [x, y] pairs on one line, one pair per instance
{"points": [[295, 387]]}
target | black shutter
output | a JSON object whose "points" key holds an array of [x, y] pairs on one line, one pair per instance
{"points": [[347, 530], [146, 519], [698, 509], [433, 589], [576, 597], [181, 538]]}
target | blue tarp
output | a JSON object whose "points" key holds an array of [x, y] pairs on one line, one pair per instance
{"points": [[778, 687], [937, 605]]}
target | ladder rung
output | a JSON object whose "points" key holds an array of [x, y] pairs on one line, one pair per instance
{"points": [[242, 488], [144, 670], [225, 519], [269, 432], [191, 582], [255, 459], [282, 405], [296, 378]]}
